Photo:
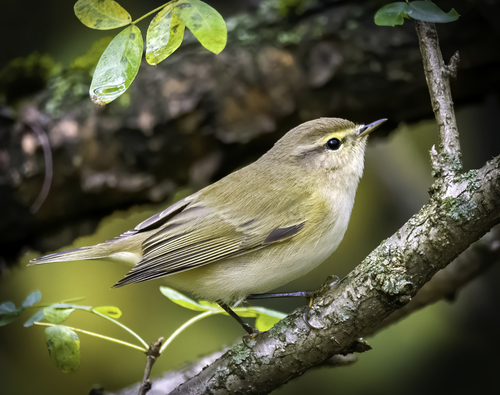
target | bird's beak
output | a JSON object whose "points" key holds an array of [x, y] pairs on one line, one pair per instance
{"points": [[365, 130]]}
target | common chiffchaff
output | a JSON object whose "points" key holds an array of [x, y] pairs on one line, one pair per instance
{"points": [[254, 230]]}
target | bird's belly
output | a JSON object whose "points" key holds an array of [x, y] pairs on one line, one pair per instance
{"points": [[233, 279]]}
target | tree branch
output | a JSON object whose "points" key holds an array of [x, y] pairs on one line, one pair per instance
{"points": [[474, 261], [462, 208], [437, 75], [446, 283], [456, 216]]}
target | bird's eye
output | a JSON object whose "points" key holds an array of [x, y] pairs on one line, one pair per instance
{"points": [[333, 144]]}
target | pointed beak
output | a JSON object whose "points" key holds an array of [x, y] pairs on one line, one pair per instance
{"points": [[365, 130]]}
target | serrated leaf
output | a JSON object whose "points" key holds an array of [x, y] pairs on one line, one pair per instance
{"points": [[205, 23], [64, 348], [32, 298], [38, 316], [57, 315], [427, 11], [117, 66], [164, 36], [186, 302], [391, 14], [101, 14], [110, 311]]}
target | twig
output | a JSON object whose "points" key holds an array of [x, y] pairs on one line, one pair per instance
{"points": [[448, 161], [152, 354]]}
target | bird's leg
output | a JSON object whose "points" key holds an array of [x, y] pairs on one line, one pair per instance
{"points": [[301, 294], [330, 282], [251, 331]]}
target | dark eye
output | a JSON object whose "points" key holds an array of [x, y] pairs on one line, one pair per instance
{"points": [[333, 144]]}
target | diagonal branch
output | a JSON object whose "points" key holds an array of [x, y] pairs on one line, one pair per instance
{"points": [[462, 208], [384, 282], [469, 265]]}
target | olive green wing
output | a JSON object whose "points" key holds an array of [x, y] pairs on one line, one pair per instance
{"points": [[198, 235]]}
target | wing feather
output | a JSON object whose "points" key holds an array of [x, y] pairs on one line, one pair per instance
{"points": [[196, 235]]}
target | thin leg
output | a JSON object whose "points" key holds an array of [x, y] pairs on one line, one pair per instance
{"points": [[331, 281], [302, 294], [246, 327]]}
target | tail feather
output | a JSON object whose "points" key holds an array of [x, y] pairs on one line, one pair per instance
{"points": [[76, 254]]}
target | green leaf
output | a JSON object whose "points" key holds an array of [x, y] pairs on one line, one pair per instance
{"points": [[110, 311], [101, 14], [427, 11], [38, 316], [64, 348], [391, 14], [9, 313], [265, 322], [56, 315], [188, 303], [265, 318], [7, 308], [164, 36], [32, 298], [205, 23], [117, 66]]}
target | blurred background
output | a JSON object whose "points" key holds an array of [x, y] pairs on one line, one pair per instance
{"points": [[197, 117]]}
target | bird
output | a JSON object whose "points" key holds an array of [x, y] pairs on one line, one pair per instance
{"points": [[254, 230]]}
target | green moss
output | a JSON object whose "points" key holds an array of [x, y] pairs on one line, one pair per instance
{"points": [[459, 209], [387, 275], [241, 353]]}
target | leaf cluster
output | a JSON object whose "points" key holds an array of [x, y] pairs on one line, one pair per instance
{"points": [[121, 59], [63, 342]]}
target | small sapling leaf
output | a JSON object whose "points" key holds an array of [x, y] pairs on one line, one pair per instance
{"points": [[117, 66], [110, 311], [205, 23], [64, 348], [164, 36], [32, 298], [101, 14]]}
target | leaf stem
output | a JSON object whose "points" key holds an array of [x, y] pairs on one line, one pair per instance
{"points": [[123, 326], [149, 13], [186, 325], [111, 339]]}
